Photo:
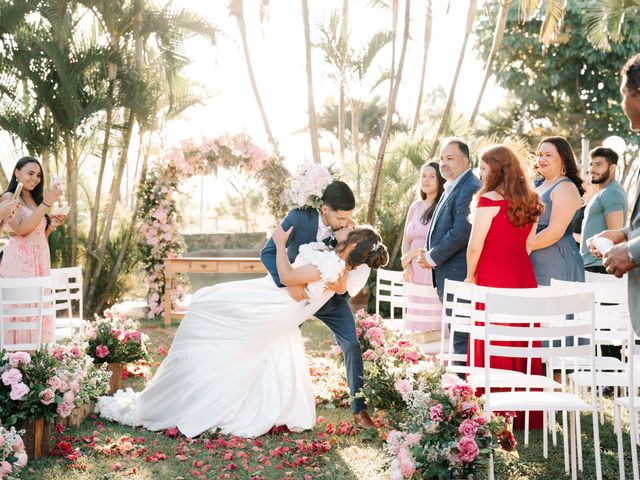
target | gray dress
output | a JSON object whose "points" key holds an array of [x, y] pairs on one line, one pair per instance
{"points": [[562, 259]]}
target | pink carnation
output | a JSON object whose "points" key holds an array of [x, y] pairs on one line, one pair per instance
{"points": [[462, 391], [64, 409], [403, 386], [18, 391], [11, 376], [369, 355], [468, 428], [468, 449], [449, 380], [102, 351], [468, 409], [17, 358], [47, 396], [413, 438], [5, 468], [435, 413], [375, 335]]}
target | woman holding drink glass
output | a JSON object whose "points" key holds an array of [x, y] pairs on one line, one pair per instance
{"points": [[27, 253]]}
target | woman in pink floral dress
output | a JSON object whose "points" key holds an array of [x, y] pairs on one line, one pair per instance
{"points": [[430, 188], [27, 253]]}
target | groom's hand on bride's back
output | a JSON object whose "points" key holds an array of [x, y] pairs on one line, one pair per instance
{"points": [[298, 292]]}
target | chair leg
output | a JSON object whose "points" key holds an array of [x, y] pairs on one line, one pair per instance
{"points": [[572, 435], [633, 436], [526, 427], [490, 473], [579, 440], [596, 444], [552, 427], [565, 442], [617, 425], [601, 405], [545, 439]]}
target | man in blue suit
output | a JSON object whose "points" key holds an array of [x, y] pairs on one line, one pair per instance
{"points": [[310, 225], [446, 248]]}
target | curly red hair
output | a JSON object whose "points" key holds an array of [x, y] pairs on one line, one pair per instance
{"points": [[507, 177]]}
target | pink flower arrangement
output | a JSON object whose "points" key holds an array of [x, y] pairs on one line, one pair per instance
{"points": [[12, 453], [116, 339], [307, 187]]}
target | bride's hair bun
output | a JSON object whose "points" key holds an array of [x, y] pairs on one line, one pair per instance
{"points": [[369, 248]]}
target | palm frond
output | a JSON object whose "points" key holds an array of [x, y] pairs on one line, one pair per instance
{"points": [[553, 15], [527, 9], [377, 42], [605, 20]]}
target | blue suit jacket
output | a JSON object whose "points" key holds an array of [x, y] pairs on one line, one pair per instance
{"points": [[449, 234], [305, 230]]}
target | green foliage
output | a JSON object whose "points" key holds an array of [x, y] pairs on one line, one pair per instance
{"points": [[567, 88]]}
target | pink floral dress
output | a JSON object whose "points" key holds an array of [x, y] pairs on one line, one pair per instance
{"points": [[417, 232], [27, 256]]}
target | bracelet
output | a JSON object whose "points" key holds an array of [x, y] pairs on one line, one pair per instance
{"points": [[46, 205]]}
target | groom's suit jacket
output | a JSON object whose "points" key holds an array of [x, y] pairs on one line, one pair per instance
{"points": [[633, 237], [449, 232]]}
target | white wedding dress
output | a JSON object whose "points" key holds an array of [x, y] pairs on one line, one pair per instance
{"points": [[237, 362]]}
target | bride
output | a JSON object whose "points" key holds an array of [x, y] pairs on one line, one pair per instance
{"points": [[237, 362]]}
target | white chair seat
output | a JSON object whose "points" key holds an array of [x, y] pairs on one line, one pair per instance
{"points": [[537, 401], [624, 402], [602, 363], [65, 332], [433, 347], [511, 379], [603, 379]]}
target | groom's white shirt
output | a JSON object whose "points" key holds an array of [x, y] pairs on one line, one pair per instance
{"points": [[356, 278]]}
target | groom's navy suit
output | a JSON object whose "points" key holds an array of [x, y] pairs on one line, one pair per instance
{"points": [[336, 313]]}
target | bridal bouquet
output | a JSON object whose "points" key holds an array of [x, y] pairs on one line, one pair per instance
{"points": [[12, 454], [445, 433], [307, 187], [114, 338], [34, 386]]}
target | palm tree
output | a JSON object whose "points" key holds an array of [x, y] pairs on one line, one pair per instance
{"points": [[444, 122], [236, 9], [313, 124], [425, 53], [344, 29], [387, 126], [606, 19]]}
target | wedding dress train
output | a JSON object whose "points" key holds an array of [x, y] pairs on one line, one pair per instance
{"points": [[237, 362]]}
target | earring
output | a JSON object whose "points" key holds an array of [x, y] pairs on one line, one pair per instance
{"points": [[564, 170]]}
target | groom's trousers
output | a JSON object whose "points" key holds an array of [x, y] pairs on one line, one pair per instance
{"points": [[336, 314]]}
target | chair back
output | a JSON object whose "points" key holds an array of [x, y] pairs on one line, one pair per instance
{"points": [[23, 304], [389, 289], [457, 310], [67, 294], [420, 304], [540, 323]]}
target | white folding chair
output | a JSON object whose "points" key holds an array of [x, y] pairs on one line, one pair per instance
{"points": [[67, 294], [24, 302], [422, 316], [631, 403], [542, 320], [457, 310], [389, 289]]}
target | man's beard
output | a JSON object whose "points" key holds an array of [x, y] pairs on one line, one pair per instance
{"points": [[601, 179]]}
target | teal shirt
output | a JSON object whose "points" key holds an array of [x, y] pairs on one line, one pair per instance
{"points": [[611, 198]]}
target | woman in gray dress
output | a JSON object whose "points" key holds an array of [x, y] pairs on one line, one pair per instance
{"points": [[555, 254]]}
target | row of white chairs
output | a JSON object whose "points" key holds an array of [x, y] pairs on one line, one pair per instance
{"points": [[25, 302], [590, 370]]}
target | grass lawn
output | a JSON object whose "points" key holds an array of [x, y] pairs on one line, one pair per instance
{"points": [[104, 450]]}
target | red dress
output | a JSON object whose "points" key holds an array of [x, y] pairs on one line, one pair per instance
{"points": [[505, 263]]}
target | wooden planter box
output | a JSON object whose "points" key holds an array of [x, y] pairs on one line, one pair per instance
{"points": [[77, 416], [36, 438], [115, 383]]}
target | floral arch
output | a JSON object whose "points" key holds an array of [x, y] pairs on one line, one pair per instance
{"points": [[160, 219]]}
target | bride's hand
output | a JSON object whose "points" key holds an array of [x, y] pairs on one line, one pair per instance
{"points": [[280, 236]]}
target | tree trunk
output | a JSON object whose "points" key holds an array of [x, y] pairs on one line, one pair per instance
{"points": [[93, 228], [425, 54], [237, 10], [394, 35], [114, 195], [444, 121], [355, 132], [495, 46], [371, 212], [72, 198], [341, 102], [313, 123]]}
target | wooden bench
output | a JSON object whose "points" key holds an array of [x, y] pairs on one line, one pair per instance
{"points": [[203, 265]]}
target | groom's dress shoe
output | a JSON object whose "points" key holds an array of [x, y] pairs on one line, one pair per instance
{"points": [[363, 420]]}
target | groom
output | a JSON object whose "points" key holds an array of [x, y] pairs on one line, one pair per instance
{"points": [[310, 225]]}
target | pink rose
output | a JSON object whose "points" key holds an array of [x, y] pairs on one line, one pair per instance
{"points": [[18, 445], [480, 421], [11, 376], [468, 449], [413, 438], [22, 459], [102, 351], [468, 409], [55, 383], [17, 358], [435, 413], [1, 440], [449, 380], [135, 336], [403, 386], [75, 352], [74, 386], [64, 409], [18, 391], [68, 397], [5, 468], [47, 396], [463, 391], [407, 468], [369, 355], [468, 428]]}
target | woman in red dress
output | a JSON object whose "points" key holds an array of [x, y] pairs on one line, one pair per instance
{"points": [[502, 236]]}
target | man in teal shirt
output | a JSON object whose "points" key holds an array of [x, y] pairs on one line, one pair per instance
{"points": [[607, 210]]}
